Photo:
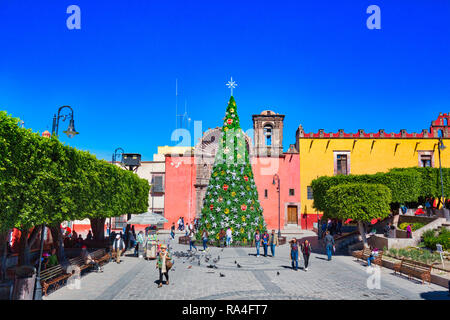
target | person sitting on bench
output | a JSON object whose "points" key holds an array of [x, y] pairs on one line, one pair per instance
{"points": [[89, 260], [372, 256]]}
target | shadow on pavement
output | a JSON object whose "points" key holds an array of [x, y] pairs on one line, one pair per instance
{"points": [[436, 295]]}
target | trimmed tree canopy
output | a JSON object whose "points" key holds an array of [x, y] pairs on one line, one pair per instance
{"points": [[42, 180], [358, 201], [406, 184]]}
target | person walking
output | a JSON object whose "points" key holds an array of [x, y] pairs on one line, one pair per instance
{"points": [[139, 249], [130, 239], [265, 241], [273, 241], [118, 247], [294, 253], [192, 240], [163, 258], [329, 244], [257, 242], [229, 236], [409, 231], [172, 231], [205, 239], [306, 250], [428, 207], [222, 237], [339, 227]]}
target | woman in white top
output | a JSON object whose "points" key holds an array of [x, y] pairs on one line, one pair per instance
{"points": [[229, 237]]}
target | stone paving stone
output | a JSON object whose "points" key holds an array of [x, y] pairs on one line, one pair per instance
{"points": [[257, 279]]}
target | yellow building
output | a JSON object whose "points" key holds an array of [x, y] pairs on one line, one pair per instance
{"points": [[328, 154]]}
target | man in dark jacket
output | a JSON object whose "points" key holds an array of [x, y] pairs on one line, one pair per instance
{"points": [[329, 244], [118, 247]]}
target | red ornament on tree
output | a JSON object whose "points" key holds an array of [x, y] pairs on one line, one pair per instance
{"points": [[243, 207], [245, 178], [211, 207], [229, 121], [225, 187]]}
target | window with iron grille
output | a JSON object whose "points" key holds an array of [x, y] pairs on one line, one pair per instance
{"points": [[309, 192], [292, 192], [157, 183], [266, 193]]}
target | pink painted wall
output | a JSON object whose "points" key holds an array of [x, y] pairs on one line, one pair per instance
{"points": [[179, 199], [287, 169], [180, 192]]}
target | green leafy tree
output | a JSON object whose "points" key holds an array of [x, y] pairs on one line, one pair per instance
{"points": [[231, 198], [360, 202], [44, 181]]}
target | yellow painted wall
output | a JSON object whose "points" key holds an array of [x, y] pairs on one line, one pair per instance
{"points": [[318, 160]]}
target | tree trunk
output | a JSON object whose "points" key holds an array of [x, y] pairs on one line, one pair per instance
{"points": [[362, 232], [98, 228], [3, 239], [24, 249], [58, 242], [26, 242]]}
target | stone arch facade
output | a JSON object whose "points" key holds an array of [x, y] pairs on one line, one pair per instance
{"points": [[204, 156]]}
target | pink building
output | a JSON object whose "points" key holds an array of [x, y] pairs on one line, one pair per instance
{"points": [[187, 175]]}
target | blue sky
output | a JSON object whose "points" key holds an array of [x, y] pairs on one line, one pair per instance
{"points": [[314, 61]]}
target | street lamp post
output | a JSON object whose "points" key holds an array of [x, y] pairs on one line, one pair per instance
{"points": [[113, 160], [441, 147], [277, 178], [115, 154], [70, 132]]}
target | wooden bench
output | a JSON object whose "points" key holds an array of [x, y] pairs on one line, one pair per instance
{"points": [[365, 253], [99, 256], [414, 268], [53, 276]]}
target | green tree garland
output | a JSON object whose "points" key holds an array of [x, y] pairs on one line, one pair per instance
{"points": [[231, 199]]}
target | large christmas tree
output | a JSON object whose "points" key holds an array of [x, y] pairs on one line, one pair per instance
{"points": [[231, 199]]}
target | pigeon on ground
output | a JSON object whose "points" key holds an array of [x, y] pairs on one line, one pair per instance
{"points": [[222, 275], [278, 273], [215, 260], [235, 262], [238, 265]]}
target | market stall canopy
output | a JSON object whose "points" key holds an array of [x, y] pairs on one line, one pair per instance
{"points": [[147, 218]]}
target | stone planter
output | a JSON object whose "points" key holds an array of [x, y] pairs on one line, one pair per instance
{"points": [[25, 279]]}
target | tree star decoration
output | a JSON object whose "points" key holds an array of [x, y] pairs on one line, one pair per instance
{"points": [[231, 85]]}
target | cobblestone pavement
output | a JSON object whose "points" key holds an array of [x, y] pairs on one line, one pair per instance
{"points": [[257, 279]]}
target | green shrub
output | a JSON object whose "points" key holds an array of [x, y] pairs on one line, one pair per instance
{"points": [[414, 226], [428, 234], [393, 252], [430, 239]]}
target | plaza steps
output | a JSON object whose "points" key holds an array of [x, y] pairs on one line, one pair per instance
{"points": [[291, 231]]}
